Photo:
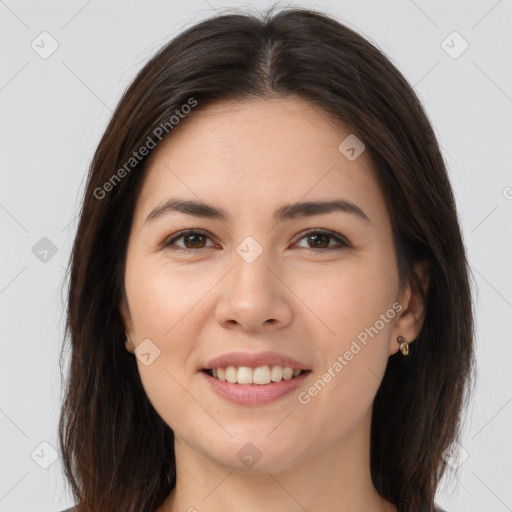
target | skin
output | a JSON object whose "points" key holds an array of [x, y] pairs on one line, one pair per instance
{"points": [[251, 158]]}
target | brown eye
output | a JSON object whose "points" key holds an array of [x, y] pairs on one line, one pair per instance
{"points": [[196, 241], [318, 240], [192, 239]]}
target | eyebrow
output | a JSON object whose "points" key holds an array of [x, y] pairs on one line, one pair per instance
{"points": [[285, 212]]}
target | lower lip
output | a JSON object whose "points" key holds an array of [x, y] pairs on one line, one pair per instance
{"points": [[255, 394]]}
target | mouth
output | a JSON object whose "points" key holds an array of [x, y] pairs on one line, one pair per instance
{"points": [[261, 375]]}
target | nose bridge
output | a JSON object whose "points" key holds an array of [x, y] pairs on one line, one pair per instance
{"points": [[251, 261], [252, 295]]}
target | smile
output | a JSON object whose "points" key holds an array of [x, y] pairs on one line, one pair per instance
{"points": [[260, 375], [250, 393]]}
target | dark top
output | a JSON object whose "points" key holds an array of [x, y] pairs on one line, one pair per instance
{"points": [[73, 509]]}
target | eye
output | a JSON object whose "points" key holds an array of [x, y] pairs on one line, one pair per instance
{"points": [[320, 238], [195, 239]]}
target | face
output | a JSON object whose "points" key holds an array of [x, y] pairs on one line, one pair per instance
{"points": [[318, 288]]}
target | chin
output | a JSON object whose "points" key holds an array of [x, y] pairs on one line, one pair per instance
{"points": [[253, 454]]}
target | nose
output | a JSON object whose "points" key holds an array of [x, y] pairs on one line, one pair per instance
{"points": [[254, 297]]}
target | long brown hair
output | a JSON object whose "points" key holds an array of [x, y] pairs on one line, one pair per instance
{"points": [[117, 452]]}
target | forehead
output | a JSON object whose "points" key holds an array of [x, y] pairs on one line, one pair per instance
{"points": [[258, 153]]}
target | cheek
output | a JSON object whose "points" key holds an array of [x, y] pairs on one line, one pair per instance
{"points": [[350, 297], [162, 305], [161, 296], [356, 304]]}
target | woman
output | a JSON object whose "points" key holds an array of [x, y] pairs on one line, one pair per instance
{"points": [[269, 305]]}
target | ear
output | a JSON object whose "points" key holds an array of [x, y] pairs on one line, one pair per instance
{"points": [[127, 322], [412, 314]]}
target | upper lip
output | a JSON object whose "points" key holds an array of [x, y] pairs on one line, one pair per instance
{"points": [[269, 358]]}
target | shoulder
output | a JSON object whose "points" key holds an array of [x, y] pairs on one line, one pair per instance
{"points": [[73, 509], [437, 509]]}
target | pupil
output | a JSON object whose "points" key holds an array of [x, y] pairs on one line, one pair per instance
{"points": [[318, 236], [188, 237]]}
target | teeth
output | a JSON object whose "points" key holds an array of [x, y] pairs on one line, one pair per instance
{"points": [[277, 373], [231, 374], [287, 373], [244, 375], [260, 375]]}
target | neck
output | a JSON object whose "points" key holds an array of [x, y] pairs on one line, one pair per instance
{"points": [[336, 479]]}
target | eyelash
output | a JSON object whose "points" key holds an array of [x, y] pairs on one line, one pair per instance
{"points": [[343, 242]]}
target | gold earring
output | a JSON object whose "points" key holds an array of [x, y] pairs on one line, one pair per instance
{"points": [[404, 345]]}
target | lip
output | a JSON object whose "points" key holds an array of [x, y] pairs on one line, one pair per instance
{"points": [[254, 394], [269, 358]]}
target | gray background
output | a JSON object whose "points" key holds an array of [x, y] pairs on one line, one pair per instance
{"points": [[55, 109]]}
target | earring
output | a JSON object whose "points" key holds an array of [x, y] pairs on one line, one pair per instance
{"points": [[128, 341], [404, 345]]}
